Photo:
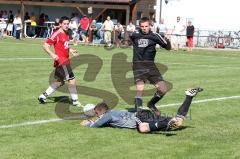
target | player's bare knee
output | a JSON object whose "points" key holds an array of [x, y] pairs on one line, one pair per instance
{"points": [[161, 91], [57, 84], [72, 82], [140, 86]]}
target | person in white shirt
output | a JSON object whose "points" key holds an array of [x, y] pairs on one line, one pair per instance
{"points": [[118, 32], [131, 27], [162, 28], [153, 26], [18, 24], [3, 26], [176, 34], [74, 27], [108, 27]]}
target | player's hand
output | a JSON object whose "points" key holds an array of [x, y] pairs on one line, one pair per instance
{"points": [[86, 122], [54, 57]]}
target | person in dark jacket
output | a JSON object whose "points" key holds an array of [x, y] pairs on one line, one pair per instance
{"points": [[144, 51], [190, 33]]}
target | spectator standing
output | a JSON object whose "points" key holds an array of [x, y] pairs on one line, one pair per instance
{"points": [[176, 34], [28, 23], [18, 25], [108, 27], [10, 23], [162, 28], [26, 16], [74, 27], [2, 27], [41, 24], [84, 28], [190, 33]]}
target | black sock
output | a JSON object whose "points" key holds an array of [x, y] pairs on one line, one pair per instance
{"points": [[155, 98], [183, 110], [138, 102]]}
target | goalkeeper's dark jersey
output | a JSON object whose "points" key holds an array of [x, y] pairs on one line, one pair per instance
{"points": [[144, 45]]}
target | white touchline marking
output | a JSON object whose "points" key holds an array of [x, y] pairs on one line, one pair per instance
{"points": [[16, 43], [200, 101], [24, 58], [166, 105], [201, 65], [30, 123]]}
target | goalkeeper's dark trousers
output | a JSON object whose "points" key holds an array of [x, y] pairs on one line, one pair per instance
{"points": [[161, 123], [183, 109]]}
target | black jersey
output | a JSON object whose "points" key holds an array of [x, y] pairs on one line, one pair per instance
{"points": [[190, 30], [144, 45]]}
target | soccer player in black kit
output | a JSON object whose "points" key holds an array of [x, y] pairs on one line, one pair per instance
{"points": [[144, 68]]}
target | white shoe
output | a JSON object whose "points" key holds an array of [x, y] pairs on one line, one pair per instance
{"points": [[77, 103], [193, 91], [42, 99]]}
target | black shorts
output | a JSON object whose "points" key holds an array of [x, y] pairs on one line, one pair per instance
{"points": [[146, 70], [147, 116], [63, 73]]}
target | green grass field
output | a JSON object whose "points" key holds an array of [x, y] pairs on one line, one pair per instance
{"points": [[212, 132]]}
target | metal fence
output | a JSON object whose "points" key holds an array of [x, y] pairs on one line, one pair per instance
{"points": [[217, 39], [203, 38]]}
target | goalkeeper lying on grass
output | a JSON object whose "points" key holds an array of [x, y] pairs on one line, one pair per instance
{"points": [[143, 120]]}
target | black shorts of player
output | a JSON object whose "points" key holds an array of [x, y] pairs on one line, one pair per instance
{"points": [[146, 70], [63, 73], [147, 116]]}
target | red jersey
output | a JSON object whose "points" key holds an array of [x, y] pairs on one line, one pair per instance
{"points": [[84, 23], [60, 40]]}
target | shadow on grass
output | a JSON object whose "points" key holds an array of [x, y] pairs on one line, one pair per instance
{"points": [[61, 99], [182, 128], [63, 108]]}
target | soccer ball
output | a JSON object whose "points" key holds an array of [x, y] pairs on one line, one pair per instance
{"points": [[88, 110]]}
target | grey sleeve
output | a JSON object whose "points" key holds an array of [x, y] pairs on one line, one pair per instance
{"points": [[105, 119]]}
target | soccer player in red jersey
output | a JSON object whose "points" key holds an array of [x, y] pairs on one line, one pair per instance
{"points": [[63, 71]]}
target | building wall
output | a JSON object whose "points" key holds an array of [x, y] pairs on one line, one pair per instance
{"points": [[143, 8], [140, 9], [52, 12]]}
